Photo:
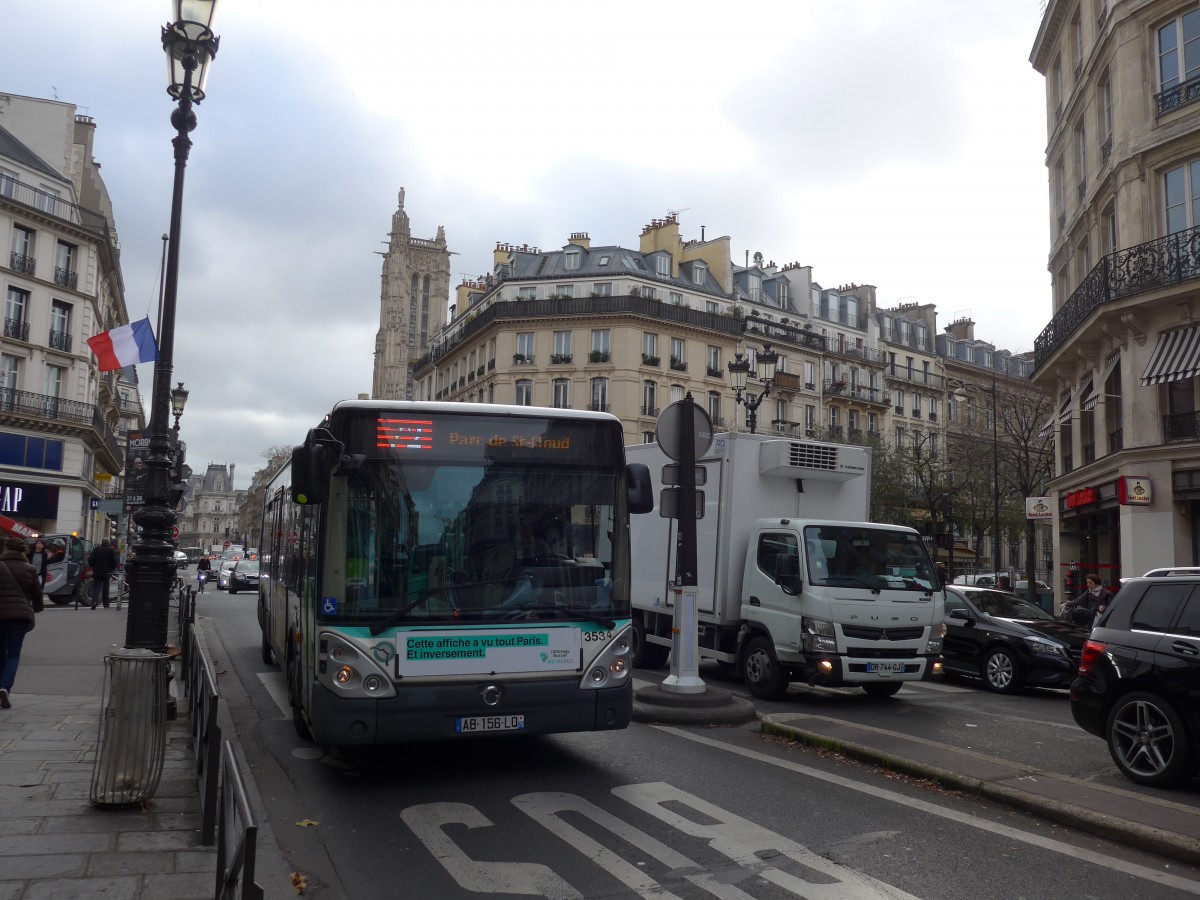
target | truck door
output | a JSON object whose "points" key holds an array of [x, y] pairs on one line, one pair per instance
{"points": [[763, 600]]}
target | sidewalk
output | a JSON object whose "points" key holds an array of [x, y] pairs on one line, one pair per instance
{"points": [[53, 842], [1150, 823]]}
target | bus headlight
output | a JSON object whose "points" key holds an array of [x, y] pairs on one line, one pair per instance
{"points": [[349, 671], [612, 665]]}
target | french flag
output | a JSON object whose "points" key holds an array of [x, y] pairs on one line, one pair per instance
{"points": [[125, 346]]}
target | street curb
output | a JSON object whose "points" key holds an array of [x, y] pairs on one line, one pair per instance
{"points": [[653, 705], [1143, 837]]}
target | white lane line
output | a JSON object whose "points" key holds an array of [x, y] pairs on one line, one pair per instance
{"points": [[1036, 840], [276, 687]]}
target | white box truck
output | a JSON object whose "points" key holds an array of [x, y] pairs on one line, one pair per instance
{"points": [[793, 583]]}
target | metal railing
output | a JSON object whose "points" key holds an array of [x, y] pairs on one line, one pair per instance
{"points": [[1178, 96], [237, 836], [52, 205]]}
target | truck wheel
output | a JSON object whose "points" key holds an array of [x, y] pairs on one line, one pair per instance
{"points": [[761, 670], [882, 688], [645, 654]]}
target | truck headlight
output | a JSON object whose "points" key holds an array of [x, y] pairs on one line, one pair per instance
{"points": [[818, 635]]}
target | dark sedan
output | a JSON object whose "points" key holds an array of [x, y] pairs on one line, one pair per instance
{"points": [[1007, 641], [244, 576]]}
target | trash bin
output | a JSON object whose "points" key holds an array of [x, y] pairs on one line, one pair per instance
{"points": [[133, 728]]}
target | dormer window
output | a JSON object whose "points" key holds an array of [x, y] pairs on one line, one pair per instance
{"points": [[699, 273], [603, 260], [664, 266], [572, 257]]}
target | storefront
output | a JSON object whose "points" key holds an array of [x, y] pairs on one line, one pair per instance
{"points": [[1089, 535], [30, 503]]}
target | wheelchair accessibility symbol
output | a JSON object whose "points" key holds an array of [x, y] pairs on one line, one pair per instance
{"points": [[329, 606]]}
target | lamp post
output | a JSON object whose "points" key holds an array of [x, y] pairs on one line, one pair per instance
{"points": [[739, 372], [961, 394], [190, 46], [178, 401]]}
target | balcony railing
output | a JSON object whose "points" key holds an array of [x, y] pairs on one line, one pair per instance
{"points": [[1179, 427], [649, 410], [51, 205], [560, 359], [648, 360], [1180, 95], [1106, 150], [65, 277], [712, 372], [19, 262], [1173, 259], [598, 407], [55, 409], [678, 365], [60, 340], [16, 329], [1116, 440], [915, 376], [1089, 453]]}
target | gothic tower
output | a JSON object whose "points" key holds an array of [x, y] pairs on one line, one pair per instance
{"points": [[413, 303]]}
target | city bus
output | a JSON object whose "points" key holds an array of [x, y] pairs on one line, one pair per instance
{"points": [[401, 593]]}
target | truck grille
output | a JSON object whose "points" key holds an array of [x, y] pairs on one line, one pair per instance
{"points": [[865, 633], [880, 653]]}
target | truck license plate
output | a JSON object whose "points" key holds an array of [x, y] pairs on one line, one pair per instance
{"points": [[478, 724], [885, 668]]}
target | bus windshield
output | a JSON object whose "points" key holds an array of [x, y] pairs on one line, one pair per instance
{"points": [[447, 522], [861, 556]]}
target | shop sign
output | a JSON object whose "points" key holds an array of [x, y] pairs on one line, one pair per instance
{"points": [[1081, 497], [29, 501], [1038, 509], [1134, 490]]}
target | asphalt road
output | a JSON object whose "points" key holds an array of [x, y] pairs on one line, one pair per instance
{"points": [[661, 811]]}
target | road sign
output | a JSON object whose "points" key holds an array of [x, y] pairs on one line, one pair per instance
{"points": [[227, 544], [668, 503], [670, 430], [174, 532], [671, 475]]}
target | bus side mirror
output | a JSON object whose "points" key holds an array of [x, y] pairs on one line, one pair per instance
{"points": [[787, 573], [638, 488], [310, 473]]}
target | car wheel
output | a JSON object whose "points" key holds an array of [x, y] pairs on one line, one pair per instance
{"points": [[232, 589], [1001, 671], [1148, 741], [645, 654], [882, 688], [761, 670]]}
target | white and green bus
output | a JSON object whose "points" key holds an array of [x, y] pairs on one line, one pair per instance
{"points": [[433, 570]]}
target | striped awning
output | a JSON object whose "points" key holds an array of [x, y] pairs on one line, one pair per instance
{"points": [[1091, 401], [1064, 408], [1176, 358], [1085, 393]]}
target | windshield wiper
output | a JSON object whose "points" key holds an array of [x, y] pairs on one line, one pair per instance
{"points": [[399, 615], [570, 611]]}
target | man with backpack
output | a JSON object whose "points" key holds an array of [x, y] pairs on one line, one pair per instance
{"points": [[103, 560]]}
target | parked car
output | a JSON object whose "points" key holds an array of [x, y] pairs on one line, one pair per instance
{"points": [[1139, 680], [244, 576], [988, 579], [223, 571], [1008, 641], [1165, 571], [181, 560]]}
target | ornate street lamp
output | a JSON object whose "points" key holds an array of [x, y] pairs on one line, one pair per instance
{"points": [[190, 46], [739, 371], [178, 401]]}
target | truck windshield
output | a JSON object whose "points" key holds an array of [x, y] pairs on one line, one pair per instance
{"points": [[858, 556]]}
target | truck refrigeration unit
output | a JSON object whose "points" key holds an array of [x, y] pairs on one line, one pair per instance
{"points": [[793, 583]]}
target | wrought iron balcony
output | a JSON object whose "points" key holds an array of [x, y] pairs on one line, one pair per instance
{"points": [[49, 408], [648, 360], [599, 356], [678, 365], [19, 262], [915, 376], [712, 372], [65, 277], [17, 329], [650, 411], [1106, 150], [560, 359], [52, 205], [60, 340], [598, 407], [1180, 95], [1089, 453], [1116, 440], [1173, 259], [1081, 190]]}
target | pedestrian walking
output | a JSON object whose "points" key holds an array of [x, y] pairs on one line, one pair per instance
{"points": [[104, 562], [203, 567], [39, 558], [20, 599]]}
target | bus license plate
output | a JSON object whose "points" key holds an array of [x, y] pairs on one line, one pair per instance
{"points": [[478, 724], [885, 668]]}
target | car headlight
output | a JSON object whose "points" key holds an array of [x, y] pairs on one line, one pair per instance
{"points": [[1045, 645], [936, 634], [818, 635]]}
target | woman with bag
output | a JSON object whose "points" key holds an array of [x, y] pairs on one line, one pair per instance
{"points": [[20, 598], [1093, 601], [39, 558]]}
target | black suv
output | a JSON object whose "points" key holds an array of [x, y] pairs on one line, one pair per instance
{"points": [[1139, 679]]}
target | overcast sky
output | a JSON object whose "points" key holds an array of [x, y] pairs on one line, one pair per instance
{"points": [[899, 144]]}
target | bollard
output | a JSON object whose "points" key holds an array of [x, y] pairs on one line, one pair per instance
{"points": [[133, 728]]}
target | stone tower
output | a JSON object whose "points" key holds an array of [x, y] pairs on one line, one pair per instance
{"points": [[413, 303]]}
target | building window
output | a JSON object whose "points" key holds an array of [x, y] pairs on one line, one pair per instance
{"points": [[933, 408], [47, 200], [663, 264], [916, 405], [562, 393], [649, 292], [810, 375], [872, 423], [603, 289], [1179, 59], [602, 342], [834, 417], [524, 392], [565, 290], [677, 393], [714, 407], [852, 420], [712, 306], [648, 437], [810, 418], [599, 395], [699, 273], [1108, 230], [1181, 191], [899, 403], [1105, 118], [781, 412], [603, 261], [527, 293], [714, 360], [649, 346], [64, 265], [675, 298], [22, 249], [678, 357], [55, 376], [60, 326], [571, 258], [562, 346], [525, 346], [16, 311], [899, 437], [649, 398], [8, 183]]}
